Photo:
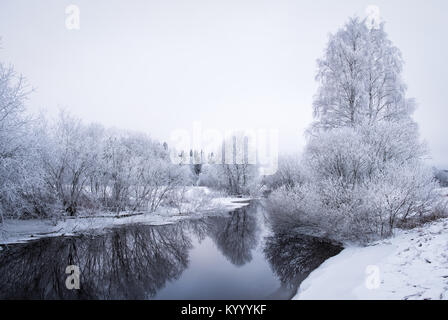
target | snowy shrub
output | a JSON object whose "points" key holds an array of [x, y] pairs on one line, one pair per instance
{"points": [[399, 193], [442, 177], [289, 174], [361, 183], [189, 199], [290, 207], [234, 179], [210, 176]]}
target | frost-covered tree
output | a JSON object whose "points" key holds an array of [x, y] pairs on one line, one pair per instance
{"points": [[69, 157], [134, 172], [360, 79], [363, 170], [54, 168], [13, 138], [232, 172]]}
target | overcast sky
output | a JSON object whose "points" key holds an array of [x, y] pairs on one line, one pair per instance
{"points": [[159, 65]]}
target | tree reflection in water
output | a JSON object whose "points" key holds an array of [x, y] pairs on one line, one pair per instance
{"points": [[293, 256], [126, 263], [236, 236], [136, 261]]}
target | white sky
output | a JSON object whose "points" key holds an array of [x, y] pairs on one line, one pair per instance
{"points": [[158, 66]]}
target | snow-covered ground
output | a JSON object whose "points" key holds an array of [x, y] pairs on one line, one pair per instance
{"points": [[15, 231], [411, 265]]}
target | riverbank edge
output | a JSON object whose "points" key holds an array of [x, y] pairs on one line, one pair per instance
{"points": [[389, 269], [21, 231]]}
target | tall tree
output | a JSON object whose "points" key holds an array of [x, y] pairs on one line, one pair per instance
{"points": [[360, 79]]}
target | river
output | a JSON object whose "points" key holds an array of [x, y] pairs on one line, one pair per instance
{"points": [[234, 255]]}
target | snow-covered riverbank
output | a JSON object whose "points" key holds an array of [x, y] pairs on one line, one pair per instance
{"points": [[411, 265], [15, 231]]}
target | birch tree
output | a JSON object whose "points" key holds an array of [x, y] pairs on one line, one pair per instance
{"points": [[360, 79]]}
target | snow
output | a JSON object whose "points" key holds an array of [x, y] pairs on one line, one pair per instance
{"points": [[16, 231], [411, 265], [443, 192], [231, 203]]}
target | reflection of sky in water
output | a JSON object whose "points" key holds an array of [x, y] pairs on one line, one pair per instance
{"points": [[212, 276]]}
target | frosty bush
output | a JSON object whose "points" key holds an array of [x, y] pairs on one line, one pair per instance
{"points": [[188, 200], [399, 193], [234, 179], [361, 183], [289, 174], [291, 207], [209, 176], [442, 177]]}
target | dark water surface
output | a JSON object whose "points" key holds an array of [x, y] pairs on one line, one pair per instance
{"points": [[233, 256]]}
